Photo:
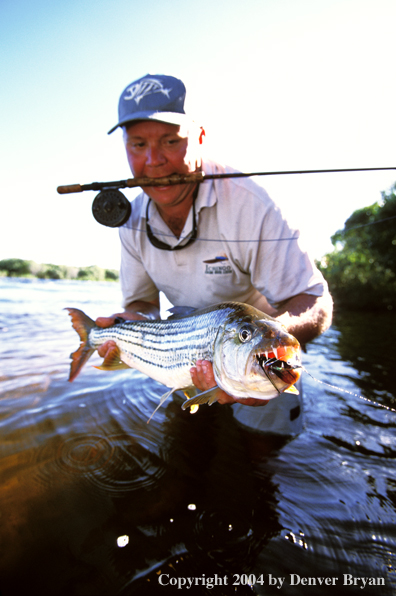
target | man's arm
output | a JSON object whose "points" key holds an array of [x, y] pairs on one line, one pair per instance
{"points": [[305, 316]]}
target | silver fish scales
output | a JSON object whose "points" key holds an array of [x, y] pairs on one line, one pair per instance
{"points": [[164, 350]]}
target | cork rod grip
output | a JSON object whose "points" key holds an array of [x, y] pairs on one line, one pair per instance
{"points": [[63, 190]]}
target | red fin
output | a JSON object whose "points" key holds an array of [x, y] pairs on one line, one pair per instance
{"points": [[83, 325]]}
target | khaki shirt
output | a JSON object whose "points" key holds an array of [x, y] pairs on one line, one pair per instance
{"points": [[245, 249]]}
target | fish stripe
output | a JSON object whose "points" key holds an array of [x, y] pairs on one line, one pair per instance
{"points": [[171, 347]]}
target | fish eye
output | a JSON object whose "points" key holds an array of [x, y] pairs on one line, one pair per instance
{"points": [[245, 333]]}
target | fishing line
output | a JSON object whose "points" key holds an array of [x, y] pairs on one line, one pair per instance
{"points": [[295, 237], [350, 392], [165, 234], [370, 223]]}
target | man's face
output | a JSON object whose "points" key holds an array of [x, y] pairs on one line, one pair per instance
{"points": [[158, 149]]}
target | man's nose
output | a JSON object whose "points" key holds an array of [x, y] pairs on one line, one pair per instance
{"points": [[154, 156]]}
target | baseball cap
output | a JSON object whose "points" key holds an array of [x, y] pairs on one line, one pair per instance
{"points": [[153, 97]]}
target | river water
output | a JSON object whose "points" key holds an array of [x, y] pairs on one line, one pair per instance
{"points": [[93, 500]]}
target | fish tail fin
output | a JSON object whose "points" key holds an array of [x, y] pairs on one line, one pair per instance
{"points": [[83, 325]]}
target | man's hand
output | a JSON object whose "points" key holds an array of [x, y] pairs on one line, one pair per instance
{"points": [[203, 378], [109, 348], [136, 311]]}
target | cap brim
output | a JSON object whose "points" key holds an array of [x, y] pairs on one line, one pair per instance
{"points": [[166, 117]]}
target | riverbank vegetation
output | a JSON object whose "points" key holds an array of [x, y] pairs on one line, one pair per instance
{"points": [[23, 268], [361, 270]]}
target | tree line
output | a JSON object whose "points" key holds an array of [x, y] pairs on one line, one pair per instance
{"points": [[361, 270], [24, 268]]}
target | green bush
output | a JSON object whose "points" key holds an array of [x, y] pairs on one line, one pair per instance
{"points": [[49, 271], [92, 273], [361, 271], [23, 268], [16, 267], [111, 275]]}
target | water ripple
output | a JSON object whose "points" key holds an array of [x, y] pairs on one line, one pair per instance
{"points": [[191, 495]]}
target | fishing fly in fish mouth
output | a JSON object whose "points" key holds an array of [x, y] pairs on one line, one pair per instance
{"points": [[252, 354]]}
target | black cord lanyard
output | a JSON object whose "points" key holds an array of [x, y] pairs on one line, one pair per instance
{"points": [[162, 245]]}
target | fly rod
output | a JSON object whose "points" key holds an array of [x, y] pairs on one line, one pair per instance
{"points": [[197, 177], [111, 208]]}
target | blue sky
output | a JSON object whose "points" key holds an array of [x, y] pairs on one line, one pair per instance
{"points": [[278, 84]]}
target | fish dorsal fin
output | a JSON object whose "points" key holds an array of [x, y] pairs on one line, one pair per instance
{"points": [[180, 311], [207, 397]]}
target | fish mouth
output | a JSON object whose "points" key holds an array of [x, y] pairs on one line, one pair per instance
{"points": [[284, 362], [284, 353]]}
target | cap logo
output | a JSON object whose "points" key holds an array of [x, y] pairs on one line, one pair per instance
{"points": [[145, 87]]}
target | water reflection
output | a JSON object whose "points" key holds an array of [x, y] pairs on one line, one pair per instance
{"points": [[365, 341], [85, 469], [93, 500]]}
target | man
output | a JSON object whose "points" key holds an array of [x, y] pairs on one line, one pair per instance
{"points": [[205, 243]]}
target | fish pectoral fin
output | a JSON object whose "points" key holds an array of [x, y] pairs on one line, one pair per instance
{"points": [[292, 389], [207, 397], [112, 362], [117, 366], [190, 392], [162, 400]]}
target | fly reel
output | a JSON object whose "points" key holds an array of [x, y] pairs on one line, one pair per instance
{"points": [[111, 208]]}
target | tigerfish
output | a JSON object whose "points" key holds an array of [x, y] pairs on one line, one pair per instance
{"points": [[252, 354]]}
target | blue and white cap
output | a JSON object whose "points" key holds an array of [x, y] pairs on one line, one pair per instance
{"points": [[153, 97]]}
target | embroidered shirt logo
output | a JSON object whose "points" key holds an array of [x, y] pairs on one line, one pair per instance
{"points": [[145, 87], [217, 266]]}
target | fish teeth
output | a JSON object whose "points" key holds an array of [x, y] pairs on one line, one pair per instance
{"points": [[275, 351]]}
